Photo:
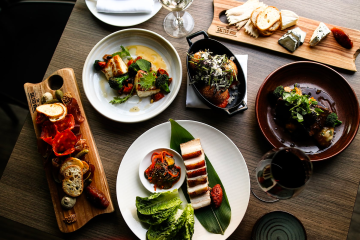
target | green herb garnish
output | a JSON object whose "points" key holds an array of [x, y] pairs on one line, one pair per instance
{"points": [[124, 53], [118, 100], [147, 80]]}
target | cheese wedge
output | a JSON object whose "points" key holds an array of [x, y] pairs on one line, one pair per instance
{"points": [[251, 29], [288, 19], [319, 34]]}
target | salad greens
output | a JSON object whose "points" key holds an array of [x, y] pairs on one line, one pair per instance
{"points": [[117, 100], [124, 53], [163, 212], [140, 64], [148, 80], [301, 104]]}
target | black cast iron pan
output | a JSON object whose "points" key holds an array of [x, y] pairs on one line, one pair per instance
{"points": [[238, 104]]}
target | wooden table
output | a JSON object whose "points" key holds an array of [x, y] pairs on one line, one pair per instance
{"points": [[326, 205]]}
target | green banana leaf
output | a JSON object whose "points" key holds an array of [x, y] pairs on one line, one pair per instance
{"points": [[212, 219]]}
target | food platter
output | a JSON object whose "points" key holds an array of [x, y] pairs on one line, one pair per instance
{"points": [[312, 75], [226, 159], [122, 20], [99, 92]]}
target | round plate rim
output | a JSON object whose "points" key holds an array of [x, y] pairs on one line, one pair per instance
{"points": [[121, 25], [314, 63], [195, 122], [278, 211], [142, 118]]}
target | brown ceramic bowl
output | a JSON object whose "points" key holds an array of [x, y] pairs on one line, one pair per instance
{"points": [[311, 75]]}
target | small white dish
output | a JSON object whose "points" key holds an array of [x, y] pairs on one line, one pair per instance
{"points": [[122, 19], [146, 162]]}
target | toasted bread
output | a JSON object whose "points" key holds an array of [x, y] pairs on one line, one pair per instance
{"points": [[85, 168], [266, 33], [275, 26], [62, 116], [73, 185], [71, 161], [51, 110], [267, 18], [256, 13], [72, 170]]}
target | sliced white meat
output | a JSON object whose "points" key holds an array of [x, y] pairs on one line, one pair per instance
{"points": [[191, 149], [114, 67], [196, 172], [197, 162], [202, 200], [198, 190], [192, 182]]}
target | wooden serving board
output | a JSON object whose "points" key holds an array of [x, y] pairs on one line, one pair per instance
{"points": [[328, 51], [83, 209]]}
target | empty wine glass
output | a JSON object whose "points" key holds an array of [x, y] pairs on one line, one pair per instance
{"points": [[178, 23], [281, 174]]}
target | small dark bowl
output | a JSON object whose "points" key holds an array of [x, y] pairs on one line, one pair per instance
{"points": [[238, 104], [312, 75]]}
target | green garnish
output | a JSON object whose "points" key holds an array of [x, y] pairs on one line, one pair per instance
{"points": [[140, 64], [118, 100], [300, 104], [124, 53], [332, 120], [147, 80]]}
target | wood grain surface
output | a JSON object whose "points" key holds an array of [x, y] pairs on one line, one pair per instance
{"points": [[328, 51], [83, 209], [325, 206]]}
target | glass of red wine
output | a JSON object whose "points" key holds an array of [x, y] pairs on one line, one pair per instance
{"points": [[282, 173]]}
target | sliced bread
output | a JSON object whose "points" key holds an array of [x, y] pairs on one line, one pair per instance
{"points": [[71, 161], [275, 26], [73, 186], [267, 18], [51, 110], [256, 13], [55, 119], [72, 171], [85, 168]]}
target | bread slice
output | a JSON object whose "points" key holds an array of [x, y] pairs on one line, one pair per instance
{"points": [[256, 13], [85, 168], [72, 170], [73, 185], [275, 26], [51, 110], [267, 18], [266, 33], [71, 161], [62, 116]]}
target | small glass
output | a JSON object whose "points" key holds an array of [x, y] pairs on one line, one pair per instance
{"points": [[178, 23], [282, 173]]}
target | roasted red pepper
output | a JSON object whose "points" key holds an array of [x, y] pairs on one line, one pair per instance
{"points": [[102, 64], [156, 97]]}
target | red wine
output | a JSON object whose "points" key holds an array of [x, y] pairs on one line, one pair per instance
{"points": [[288, 169]]}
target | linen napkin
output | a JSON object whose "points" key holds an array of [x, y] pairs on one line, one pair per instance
{"points": [[193, 101], [125, 6]]}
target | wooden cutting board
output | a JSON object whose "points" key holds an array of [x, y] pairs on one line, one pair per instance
{"points": [[328, 51], [65, 78]]}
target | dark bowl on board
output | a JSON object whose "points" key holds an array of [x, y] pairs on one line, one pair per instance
{"points": [[238, 104], [312, 75]]}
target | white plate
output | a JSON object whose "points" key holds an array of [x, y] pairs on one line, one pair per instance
{"points": [[99, 92], [224, 156], [145, 163], [122, 19]]}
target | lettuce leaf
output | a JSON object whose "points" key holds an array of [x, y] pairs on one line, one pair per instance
{"points": [[187, 230], [158, 202], [159, 217], [169, 228]]}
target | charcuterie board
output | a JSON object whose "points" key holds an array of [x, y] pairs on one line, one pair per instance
{"points": [[64, 79], [328, 51]]}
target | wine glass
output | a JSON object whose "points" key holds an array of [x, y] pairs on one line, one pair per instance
{"points": [[178, 23], [282, 173]]}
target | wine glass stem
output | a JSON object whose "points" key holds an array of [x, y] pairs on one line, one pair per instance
{"points": [[178, 22]]}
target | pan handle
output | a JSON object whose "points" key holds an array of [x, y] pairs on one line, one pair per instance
{"points": [[201, 32], [243, 106]]}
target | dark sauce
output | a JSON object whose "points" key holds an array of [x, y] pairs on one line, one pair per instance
{"points": [[307, 144]]}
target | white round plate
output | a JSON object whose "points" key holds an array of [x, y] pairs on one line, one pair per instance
{"points": [[122, 19], [99, 92], [145, 163], [224, 156]]}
